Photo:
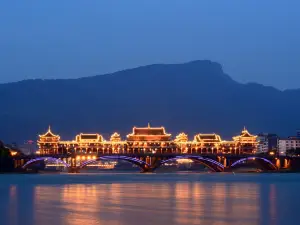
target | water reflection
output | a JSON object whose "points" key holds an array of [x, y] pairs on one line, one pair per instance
{"points": [[13, 207], [159, 203], [179, 203]]}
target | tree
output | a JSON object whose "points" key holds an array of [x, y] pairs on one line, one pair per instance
{"points": [[6, 161]]}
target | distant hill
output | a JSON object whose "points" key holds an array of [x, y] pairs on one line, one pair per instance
{"points": [[192, 97]]}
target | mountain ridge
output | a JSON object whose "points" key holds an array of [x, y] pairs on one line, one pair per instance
{"points": [[192, 97], [151, 65]]}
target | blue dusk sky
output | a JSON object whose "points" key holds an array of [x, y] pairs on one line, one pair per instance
{"points": [[254, 40]]}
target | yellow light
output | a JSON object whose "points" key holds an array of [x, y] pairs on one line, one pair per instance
{"points": [[184, 160], [94, 157], [78, 157], [271, 153], [13, 153]]}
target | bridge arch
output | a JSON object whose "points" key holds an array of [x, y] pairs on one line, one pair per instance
{"points": [[266, 161], [43, 159], [210, 163], [140, 163]]}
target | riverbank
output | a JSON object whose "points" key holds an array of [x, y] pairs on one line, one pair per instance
{"points": [[112, 171]]}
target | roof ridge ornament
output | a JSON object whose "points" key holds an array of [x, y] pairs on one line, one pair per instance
{"points": [[49, 133]]}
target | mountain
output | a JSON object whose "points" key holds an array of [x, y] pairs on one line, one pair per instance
{"points": [[191, 97]]}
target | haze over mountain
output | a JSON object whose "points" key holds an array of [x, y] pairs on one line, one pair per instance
{"points": [[191, 97]]}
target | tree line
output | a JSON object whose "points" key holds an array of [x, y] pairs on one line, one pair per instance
{"points": [[6, 160]]}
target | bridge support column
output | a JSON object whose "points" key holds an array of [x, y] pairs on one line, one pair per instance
{"points": [[148, 160], [278, 163], [73, 168], [16, 163], [147, 169], [225, 162], [286, 163], [153, 161]]}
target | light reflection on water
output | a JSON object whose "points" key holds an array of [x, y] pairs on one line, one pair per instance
{"points": [[157, 202]]}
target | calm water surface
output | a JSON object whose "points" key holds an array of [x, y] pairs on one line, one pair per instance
{"points": [[156, 199]]}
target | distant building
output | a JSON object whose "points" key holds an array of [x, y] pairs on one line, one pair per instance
{"points": [[287, 144], [292, 142], [28, 147], [12, 148], [267, 142]]}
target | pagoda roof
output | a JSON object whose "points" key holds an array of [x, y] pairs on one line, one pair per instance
{"points": [[89, 137], [208, 137], [181, 137], [148, 131], [245, 134], [115, 137], [49, 134]]}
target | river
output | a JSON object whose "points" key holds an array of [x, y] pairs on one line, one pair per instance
{"points": [[149, 199]]}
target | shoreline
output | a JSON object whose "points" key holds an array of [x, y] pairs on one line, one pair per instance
{"points": [[234, 172]]}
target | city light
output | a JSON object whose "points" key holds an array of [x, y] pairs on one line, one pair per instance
{"points": [[13, 153]]}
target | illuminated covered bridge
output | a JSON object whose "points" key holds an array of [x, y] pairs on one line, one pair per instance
{"points": [[150, 148]]}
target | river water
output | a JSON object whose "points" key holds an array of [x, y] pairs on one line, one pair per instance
{"points": [[150, 199]]}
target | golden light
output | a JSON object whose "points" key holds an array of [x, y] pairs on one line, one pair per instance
{"points": [[184, 160], [153, 136], [271, 153], [13, 153]]}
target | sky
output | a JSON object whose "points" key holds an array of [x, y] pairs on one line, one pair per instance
{"points": [[254, 40]]}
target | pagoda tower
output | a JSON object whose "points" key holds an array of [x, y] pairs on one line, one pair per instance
{"points": [[48, 143], [246, 142]]}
